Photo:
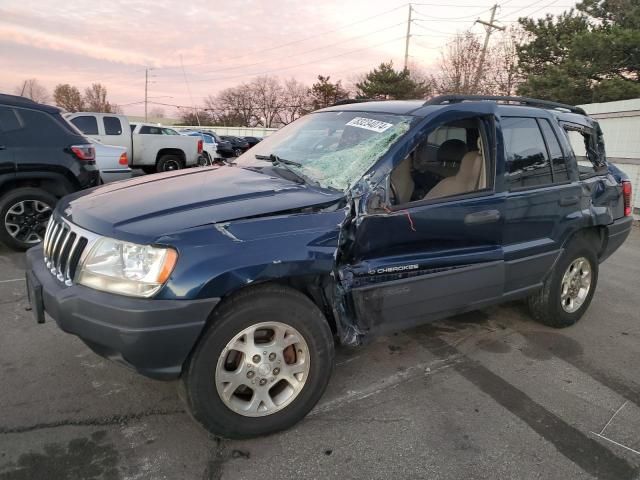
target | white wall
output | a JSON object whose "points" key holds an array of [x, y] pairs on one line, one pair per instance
{"points": [[237, 131]]}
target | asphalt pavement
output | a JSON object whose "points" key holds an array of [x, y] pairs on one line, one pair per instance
{"points": [[486, 395]]}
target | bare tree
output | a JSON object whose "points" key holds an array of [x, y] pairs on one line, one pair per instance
{"points": [[268, 96], [458, 65], [296, 101], [233, 106], [32, 89], [95, 99], [502, 66], [68, 97]]}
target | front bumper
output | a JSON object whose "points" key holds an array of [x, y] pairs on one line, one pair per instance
{"points": [[151, 336]]}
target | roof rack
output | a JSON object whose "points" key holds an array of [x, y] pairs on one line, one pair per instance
{"points": [[15, 98], [533, 102]]}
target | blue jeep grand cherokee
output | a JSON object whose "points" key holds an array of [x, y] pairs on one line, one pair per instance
{"points": [[353, 221]]}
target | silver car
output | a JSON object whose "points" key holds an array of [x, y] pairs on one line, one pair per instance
{"points": [[112, 161]]}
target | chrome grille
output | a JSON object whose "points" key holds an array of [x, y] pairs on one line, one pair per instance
{"points": [[64, 245]]}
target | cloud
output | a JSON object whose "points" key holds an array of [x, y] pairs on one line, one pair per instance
{"points": [[34, 38]]}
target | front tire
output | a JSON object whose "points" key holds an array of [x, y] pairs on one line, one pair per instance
{"points": [[567, 292], [261, 366], [24, 213]]}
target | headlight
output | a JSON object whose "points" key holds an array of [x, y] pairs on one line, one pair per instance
{"points": [[126, 268]]}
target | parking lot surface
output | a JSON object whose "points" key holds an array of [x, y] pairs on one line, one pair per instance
{"points": [[486, 395]]}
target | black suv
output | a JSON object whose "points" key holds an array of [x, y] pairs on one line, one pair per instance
{"points": [[42, 158], [351, 222]]}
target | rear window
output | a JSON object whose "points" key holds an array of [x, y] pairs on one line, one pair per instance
{"points": [[112, 126], [86, 124], [150, 130]]}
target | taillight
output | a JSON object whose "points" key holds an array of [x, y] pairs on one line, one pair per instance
{"points": [[626, 195], [123, 159], [84, 152], [199, 146]]}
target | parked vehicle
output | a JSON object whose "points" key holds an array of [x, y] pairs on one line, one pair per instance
{"points": [[225, 148], [351, 222], [252, 141], [210, 147], [42, 158], [112, 161], [240, 145], [148, 147]]}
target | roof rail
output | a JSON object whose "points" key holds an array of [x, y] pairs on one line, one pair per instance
{"points": [[533, 102], [348, 101]]}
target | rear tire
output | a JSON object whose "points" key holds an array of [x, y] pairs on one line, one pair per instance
{"points": [[565, 295], [169, 163], [24, 213], [291, 385]]}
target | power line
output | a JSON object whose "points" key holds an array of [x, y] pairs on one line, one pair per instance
{"points": [[302, 39], [235, 67], [255, 74], [472, 16]]}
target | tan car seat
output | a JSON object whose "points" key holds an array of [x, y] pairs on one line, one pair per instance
{"points": [[402, 181], [470, 176]]}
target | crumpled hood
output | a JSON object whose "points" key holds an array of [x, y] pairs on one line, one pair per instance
{"points": [[146, 208]]}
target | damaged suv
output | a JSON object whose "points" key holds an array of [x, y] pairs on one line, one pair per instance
{"points": [[354, 221]]}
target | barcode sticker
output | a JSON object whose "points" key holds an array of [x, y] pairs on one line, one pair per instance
{"points": [[370, 124]]}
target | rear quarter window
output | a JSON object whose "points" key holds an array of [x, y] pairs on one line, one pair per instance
{"points": [[38, 130], [9, 121]]}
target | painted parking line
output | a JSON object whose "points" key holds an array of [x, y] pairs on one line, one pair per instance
{"points": [[12, 280]]}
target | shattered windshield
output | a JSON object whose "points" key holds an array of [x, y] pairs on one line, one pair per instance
{"points": [[333, 149]]}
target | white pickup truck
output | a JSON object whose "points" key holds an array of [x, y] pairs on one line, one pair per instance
{"points": [[148, 147]]}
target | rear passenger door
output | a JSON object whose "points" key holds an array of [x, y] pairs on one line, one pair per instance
{"points": [[542, 200], [8, 122]]}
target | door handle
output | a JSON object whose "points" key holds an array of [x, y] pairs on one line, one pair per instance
{"points": [[484, 216], [3, 147], [566, 201]]}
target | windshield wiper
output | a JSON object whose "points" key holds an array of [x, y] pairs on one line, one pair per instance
{"points": [[276, 159]]}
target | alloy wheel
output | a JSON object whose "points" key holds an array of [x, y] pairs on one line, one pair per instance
{"points": [[575, 285], [26, 221], [262, 369]]}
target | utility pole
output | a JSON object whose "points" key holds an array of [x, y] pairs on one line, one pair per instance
{"points": [[406, 45], [146, 88], [489, 26]]}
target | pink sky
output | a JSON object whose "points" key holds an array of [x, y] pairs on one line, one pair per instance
{"points": [[223, 43]]}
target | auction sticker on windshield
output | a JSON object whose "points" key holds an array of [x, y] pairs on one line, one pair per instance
{"points": [[369, 124]]}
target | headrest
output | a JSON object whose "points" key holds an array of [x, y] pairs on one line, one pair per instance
{"points": [[451, 151], [480, 145]]}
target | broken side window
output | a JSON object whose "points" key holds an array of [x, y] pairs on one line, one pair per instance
{"points": [[588, 148]]}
